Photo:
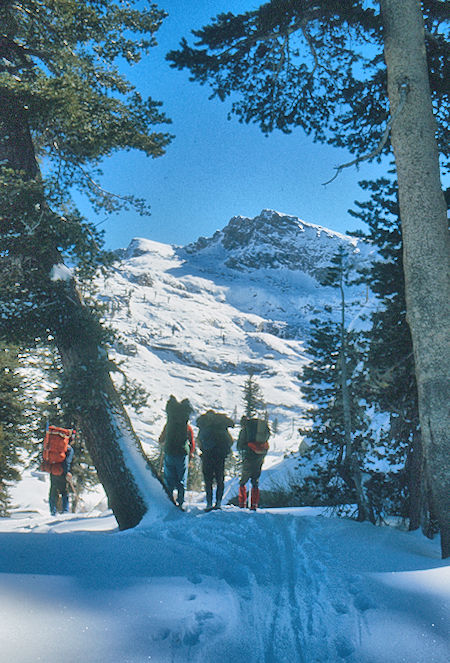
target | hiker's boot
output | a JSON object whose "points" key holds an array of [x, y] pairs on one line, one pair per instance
{"points": [[208, 490], [254, 498], [52, 506], [219, 495], [242, 496]]}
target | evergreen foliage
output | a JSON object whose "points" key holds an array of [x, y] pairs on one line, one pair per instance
{"points": [[253, 397], [361, 79], [195, 474], [64, 107], [333, 382], [391, 384], [12, 418], [391, 355], [60, 88], [317, 65]]}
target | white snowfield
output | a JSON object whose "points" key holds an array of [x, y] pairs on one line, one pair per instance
{"points": [[275, 586]]}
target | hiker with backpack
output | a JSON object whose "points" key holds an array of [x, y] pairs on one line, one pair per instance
{"points": [[177, 439], [253, 442], [57, 457], [215, 444]]}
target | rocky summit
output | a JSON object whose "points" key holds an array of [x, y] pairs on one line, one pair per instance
{"points": [[273, 240]]}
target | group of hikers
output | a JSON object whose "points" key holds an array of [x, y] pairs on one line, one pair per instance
{"points": [[215, 442], [178, 447]]}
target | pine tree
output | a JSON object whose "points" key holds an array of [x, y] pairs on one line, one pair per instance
{"points": [[253, 397], [332, 384], [320, 66], [12, 419], [63, 102]]}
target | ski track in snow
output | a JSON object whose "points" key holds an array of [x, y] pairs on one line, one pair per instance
{"points": [[283, 586], [230, 585]]}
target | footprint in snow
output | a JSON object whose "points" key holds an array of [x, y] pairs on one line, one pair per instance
{"points": [[340, 607], [202, 622], [344, 646], [195, 579], [361, 600]]}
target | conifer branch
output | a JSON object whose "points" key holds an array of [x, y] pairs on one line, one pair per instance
{"points": [[404, 89]]}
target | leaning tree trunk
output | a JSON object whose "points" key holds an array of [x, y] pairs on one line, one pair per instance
{"points": [[426, 252], [129, 481], [131, 487]]}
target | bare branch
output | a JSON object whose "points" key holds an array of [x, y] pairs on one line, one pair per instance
{"points": [[95, 185], [92, 183], [404, 88], [29, 228], [311, 46]]}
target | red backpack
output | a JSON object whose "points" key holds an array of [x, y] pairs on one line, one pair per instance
{"points": [[56, 441]]}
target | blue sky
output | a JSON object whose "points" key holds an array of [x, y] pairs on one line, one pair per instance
{"points": [[216, 168]]}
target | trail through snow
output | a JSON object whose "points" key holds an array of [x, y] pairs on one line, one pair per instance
{"points": [[269, 587]]}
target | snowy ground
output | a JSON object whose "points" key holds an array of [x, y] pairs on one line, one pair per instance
{"points": [[268, 587]]}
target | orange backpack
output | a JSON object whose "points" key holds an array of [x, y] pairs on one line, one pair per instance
{"points": [[56, 441]]}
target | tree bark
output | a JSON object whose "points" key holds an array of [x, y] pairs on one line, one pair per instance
{"points": [[130, 483], [426, 252], [415, 482], [125, 473]]}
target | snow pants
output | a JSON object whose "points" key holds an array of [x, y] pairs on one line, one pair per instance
{"points": [[213, 467], [58, 486], [251, 469], [175, 475]]}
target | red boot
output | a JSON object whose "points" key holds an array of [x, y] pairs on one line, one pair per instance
{"points": [[254, 499], [242, 496]]}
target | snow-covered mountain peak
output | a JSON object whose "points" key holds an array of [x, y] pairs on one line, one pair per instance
{"points": [[274, 240], [140, 246]]}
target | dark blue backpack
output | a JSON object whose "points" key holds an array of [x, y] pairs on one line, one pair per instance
{"points": [[213, 432]]}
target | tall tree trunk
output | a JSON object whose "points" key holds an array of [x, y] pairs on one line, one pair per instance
{"points": [[351, 470], [426, 252], [129, 483]]}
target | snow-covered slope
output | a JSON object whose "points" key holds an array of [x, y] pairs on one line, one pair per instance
{"points": [[194, 321], [273, 586]]}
